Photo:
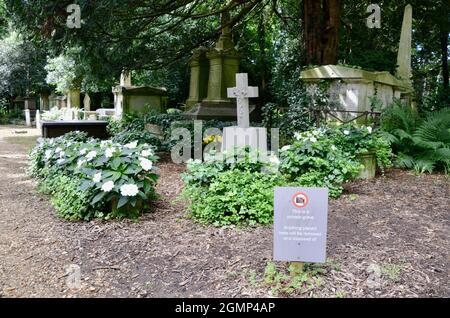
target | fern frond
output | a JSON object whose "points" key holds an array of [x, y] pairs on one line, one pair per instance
{"points": [[404, 161]]}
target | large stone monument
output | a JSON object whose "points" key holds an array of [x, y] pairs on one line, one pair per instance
{"points": [[73, 98], [44, 101], [243, 135], [212, 72], [355, 90], [198, 84], [137, 99]]}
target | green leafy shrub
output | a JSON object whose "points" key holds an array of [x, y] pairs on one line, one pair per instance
{"points": [[235, 197], [422, 143], [107, 179], [233, 189], [132, 127], [70, 202], [356, 140], [313, 160]]}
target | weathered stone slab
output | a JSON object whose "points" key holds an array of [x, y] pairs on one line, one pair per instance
{"points": [[94, 128]]}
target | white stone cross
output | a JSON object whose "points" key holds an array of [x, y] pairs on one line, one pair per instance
{"points": [[242, 92]]}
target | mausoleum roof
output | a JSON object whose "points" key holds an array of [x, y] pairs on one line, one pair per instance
{"points": [[349, 73]]}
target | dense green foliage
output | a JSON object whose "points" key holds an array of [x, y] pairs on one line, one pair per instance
{"points": [[235, 188], [134, 127], [148, 37], [421, 142], [313, 160], [107, 179]]}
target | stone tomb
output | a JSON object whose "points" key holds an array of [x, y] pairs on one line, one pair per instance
{"points": [[353, 89], [134, 99], [56, 128], [213, 70]]}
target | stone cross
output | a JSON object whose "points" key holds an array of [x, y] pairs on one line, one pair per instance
{"points": [[242, 92]]}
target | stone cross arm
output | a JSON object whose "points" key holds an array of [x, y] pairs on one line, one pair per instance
{"points": [[242, 92]]}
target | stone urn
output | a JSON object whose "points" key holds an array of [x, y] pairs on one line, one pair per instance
{"points": [[369, 161]]}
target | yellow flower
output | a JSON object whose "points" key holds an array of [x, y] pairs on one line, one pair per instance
{"points": [[212, 138]]}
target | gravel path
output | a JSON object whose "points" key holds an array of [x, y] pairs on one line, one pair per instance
{"points": [[398, 224]]}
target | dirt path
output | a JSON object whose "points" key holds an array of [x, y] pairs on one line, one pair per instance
{"points": [[399, 224]]}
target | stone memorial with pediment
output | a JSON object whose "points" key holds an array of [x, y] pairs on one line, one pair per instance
{"points": [[137, 99]]}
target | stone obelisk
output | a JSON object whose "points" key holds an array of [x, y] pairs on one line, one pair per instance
{"points": [[404, 49]]}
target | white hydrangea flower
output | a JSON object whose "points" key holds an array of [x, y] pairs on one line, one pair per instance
{"points": [[48, 154], [91, 155], [146, 153], [274, 160], [298, 136], [60, 161], [131, 145], [109, 152], [346, 132], [105, 143], [313, 139], [97, 177], [129, 190], [286, 148], [83, 151], [145, 164], [107, 186], [80, 162], [369, 129]]}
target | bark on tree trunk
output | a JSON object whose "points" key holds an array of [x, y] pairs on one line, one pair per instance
{"points": [[321, 20]]}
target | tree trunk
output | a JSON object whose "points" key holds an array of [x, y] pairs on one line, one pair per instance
{"points": [[444, 50], [321, 20]]}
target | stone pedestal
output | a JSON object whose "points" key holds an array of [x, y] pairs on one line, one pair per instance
{"points": [[29, 103], [73, 98], [27, 117], [198, 84], [253, 137], [223, 66], [38, 120], [44, 101], [87, 103]]}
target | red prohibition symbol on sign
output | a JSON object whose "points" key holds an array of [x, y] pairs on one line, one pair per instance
{"points": [[300, 200]]}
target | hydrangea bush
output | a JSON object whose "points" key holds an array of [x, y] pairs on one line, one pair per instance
{"points": [[240, 190], [359, 140], [114, 180], [314, 160]]}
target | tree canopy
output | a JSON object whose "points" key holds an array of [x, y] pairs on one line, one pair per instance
{"points": [[275, 37]]}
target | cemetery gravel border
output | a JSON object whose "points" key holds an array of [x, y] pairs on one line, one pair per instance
{"points": [[387, 238]]}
